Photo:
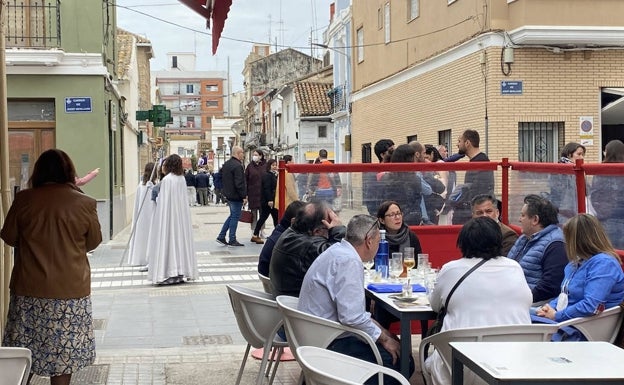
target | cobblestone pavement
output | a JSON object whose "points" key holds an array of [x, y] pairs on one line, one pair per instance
{"points": [[175, 335]]}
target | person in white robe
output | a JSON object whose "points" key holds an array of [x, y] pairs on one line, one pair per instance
{"points": [[142, 218], [171, 252], [496, 293]]}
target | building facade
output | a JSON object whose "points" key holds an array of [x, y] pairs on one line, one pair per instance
{"points": [[526, 81]]}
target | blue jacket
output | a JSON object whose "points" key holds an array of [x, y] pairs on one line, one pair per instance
{"points": [[542, 258], [593, 286]]}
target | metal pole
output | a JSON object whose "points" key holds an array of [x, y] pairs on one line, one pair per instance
{"points": [[6, 262]]}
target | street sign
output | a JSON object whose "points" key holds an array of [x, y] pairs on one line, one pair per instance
{"points": [[511, 87], [77, 104]]}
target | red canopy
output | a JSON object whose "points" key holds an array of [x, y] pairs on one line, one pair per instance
{"points": [[217, 10]]}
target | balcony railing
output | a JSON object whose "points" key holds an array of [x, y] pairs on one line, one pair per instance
{"points": [[32, 23], [338, 96]]}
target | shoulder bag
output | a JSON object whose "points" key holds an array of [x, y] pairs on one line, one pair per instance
{"points": [[437, 324]]}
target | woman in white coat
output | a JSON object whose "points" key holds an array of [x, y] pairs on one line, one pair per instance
{"points": [[142, 218], [496, 293]]}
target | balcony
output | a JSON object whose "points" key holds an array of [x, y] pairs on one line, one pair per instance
{"points": [[32, 23], [338, 96]]}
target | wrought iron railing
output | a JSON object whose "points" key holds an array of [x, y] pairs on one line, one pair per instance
{"points": [[338, 96], [32, 23]]}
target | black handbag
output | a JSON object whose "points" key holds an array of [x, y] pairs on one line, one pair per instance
{"points": [[437, 324]]}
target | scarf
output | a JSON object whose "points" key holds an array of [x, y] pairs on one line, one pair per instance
{"points": [[401, 238]]}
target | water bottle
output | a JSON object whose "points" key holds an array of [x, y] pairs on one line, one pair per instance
{"points": [[381, 258]]}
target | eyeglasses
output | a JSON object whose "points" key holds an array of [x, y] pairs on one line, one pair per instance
{"points": [[398, 214], [374, 226]]}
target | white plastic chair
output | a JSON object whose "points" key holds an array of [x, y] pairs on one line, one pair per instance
{"points": [[14, 365], [258, 320], [325, 367], [602, 327], [440, 341], [266, 284], [303, 329]]}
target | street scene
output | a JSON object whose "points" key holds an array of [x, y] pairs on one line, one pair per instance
{"points": [[379, 186]]}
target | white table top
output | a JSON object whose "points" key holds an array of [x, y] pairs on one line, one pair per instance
{"points": [[545, 360], [422, 303]]}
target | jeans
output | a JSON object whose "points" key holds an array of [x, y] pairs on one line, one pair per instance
{"points": [[354, 347], [231, 223]]}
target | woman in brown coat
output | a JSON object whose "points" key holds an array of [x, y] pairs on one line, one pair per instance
{"points": [[52, 225]]}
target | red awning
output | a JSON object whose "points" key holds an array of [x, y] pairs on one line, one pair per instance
{"points": [[217, 10]]}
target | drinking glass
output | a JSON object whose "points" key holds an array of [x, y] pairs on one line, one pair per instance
{"points": [[423, 261], [408, 259], [367, 266], [396, 266]]}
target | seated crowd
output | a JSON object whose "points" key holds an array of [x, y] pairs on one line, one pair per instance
{"points": [[544, 271]]}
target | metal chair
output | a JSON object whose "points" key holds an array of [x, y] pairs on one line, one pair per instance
{"points": [[602, 327], [440, 341], [258, 320], [14, 365], [303, 329], [325, 367], [266, 284]]}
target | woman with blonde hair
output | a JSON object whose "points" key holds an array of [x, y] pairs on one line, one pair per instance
{"points": [[593, 279]]}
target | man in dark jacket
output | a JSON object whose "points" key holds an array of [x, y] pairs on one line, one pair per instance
{"points": [[315, 228], [202, 183], [235, 190]]}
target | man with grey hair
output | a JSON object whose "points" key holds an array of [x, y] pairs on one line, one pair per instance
{"points": [[333, 288]]}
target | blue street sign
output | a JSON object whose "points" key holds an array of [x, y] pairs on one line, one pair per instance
{"points": [[511, 87], [78, 104]]}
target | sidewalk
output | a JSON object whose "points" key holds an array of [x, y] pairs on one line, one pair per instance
{"points": [[175, 335]]}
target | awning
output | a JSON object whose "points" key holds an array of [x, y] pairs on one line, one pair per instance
{"points": [[217, 10]]}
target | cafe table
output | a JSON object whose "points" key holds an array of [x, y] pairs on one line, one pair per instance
{"points": [[524, 363], [406, 313]]}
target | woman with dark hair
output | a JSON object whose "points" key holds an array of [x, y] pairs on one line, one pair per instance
{"points": [[563, 186], [142, 218], [404, 187], [171, 252], [253, 178], [593, 279], [495, 293], [607, 198], [398, 235], [267, 206], [52, 226]]}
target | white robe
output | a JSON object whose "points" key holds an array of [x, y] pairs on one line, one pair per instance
{"points": [[141, 225], [171, 251]]}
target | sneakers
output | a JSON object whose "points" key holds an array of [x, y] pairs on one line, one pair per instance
{"points": [[222, 241], [235, 243], [257, 240]]}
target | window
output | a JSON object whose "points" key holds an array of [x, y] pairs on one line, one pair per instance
{"points": [[412, 138], [322, 131], [380, 18], [360, 44], [189, 88], [413, 9], [387, 23], [174, 62], [366, 153], [444, 137], [212, 103], [212, 87], [540, 141]]}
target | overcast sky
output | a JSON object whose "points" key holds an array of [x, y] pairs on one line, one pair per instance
{"points": [[173, 27]]}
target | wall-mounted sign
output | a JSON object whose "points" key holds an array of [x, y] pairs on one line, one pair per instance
{"points": [[77, 104], [586, 130], [511, 87]]}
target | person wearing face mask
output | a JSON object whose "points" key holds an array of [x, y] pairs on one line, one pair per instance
{"points": [[269, 185], [253, 178]]}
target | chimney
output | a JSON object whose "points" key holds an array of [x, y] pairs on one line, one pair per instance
{"points": [[332, 11]]}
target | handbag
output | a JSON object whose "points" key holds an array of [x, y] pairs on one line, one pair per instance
{"points": [[246, 216], [437, 324]]}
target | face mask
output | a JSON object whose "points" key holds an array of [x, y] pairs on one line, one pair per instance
{"points": [[255, 158]]}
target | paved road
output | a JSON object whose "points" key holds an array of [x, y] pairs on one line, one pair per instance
{"points": [[173, 335]]}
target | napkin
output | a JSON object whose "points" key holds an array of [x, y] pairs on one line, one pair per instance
{"points": [[393, 288]]}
